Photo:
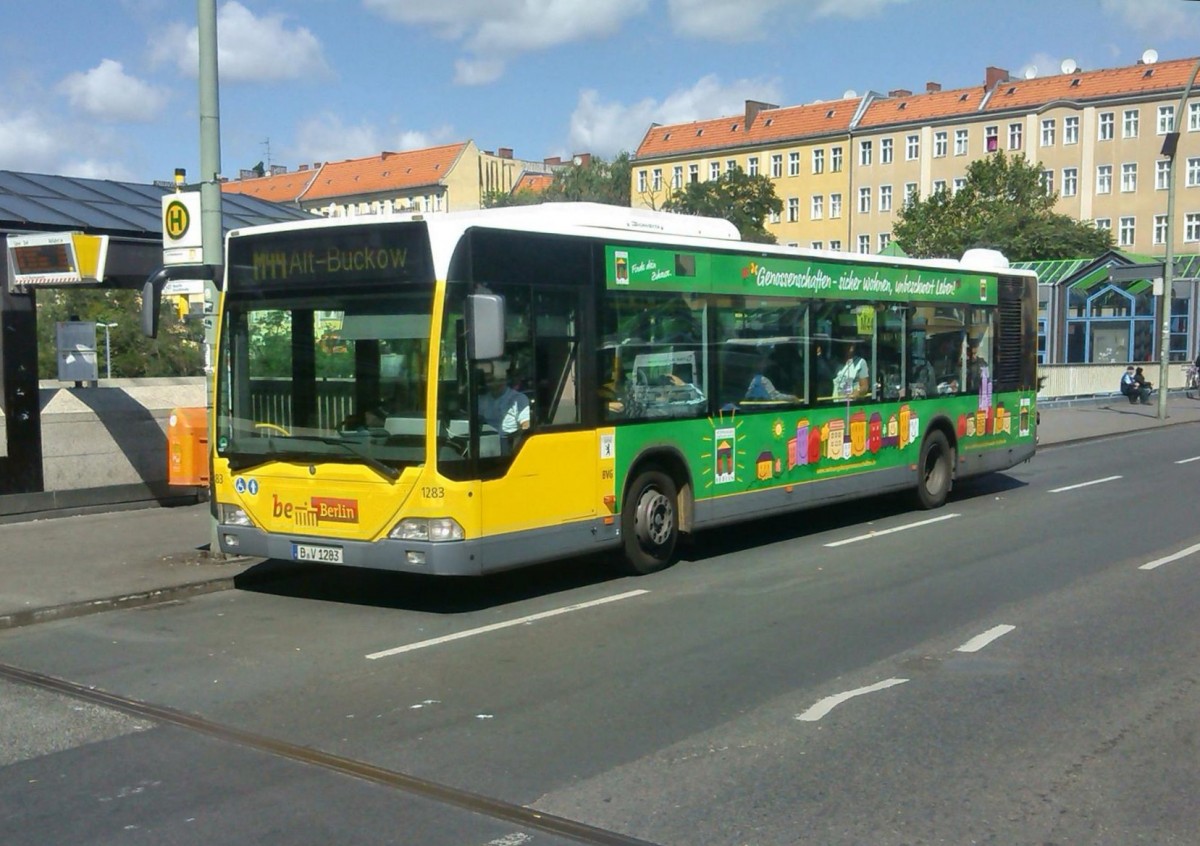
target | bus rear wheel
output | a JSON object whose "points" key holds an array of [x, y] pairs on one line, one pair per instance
{"points": [[934, 472], [650, 523]]}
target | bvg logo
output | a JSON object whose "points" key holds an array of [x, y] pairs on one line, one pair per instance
{"points": [[319, 510], [176, 220]]}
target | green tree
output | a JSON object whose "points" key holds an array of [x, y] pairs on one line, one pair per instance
{"points": [[593, 181], [745, 201], [177, 351], [1003, 206]]}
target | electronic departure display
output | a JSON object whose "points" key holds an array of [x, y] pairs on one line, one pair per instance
{"points": [[51, 259], [43, 258]]}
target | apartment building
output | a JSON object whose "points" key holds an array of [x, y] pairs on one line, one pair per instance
{"points": [[450, 177], [844, 168]]}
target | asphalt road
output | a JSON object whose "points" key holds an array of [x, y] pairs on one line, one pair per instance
{"points": [[1021, 666]]}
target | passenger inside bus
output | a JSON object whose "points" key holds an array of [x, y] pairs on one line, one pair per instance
{"points": [[853, 379]]}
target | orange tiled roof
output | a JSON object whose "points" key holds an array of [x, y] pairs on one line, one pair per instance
{"points": [[535, 183], [771, 125], [385, 172], [922, 108], [280, 188], [1082, 86]]}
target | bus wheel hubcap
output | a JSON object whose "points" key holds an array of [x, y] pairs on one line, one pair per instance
{"points": [[655, 518]]}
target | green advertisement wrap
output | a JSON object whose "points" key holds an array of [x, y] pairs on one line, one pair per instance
{"points": [[740, 452], [655, 269]]}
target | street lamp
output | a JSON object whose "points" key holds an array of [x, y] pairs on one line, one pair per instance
{"points": [[1169, 148], [107, 349]]}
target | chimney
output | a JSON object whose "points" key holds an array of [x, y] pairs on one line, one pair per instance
{"points": [[900, 92], [278, 170], [753, 107], [994, 76], [582, 159], [932, 87], [302, 167], [505, 152], [552, 161]]}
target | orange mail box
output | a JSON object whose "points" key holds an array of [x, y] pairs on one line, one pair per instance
{"points": [[187, 447]]}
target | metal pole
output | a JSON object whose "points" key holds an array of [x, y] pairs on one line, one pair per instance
{"points": [[211, 235], [1170, 147]]}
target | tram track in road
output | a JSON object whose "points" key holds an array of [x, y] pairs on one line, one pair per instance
{"points": [[465, 800]]}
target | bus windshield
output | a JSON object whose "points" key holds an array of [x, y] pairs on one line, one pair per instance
{"points": [[339, 377]]}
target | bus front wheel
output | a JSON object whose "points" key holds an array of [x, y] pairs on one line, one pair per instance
{"points": [[934, 472], [650, 522]]}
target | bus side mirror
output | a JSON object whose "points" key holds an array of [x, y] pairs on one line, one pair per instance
{"points": [[151, 298], [485, 326]]}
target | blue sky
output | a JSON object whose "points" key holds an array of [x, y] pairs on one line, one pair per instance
{"points": [[107, 88]]}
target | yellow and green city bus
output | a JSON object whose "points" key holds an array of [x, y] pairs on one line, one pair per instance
{"points": [[669, 378]]}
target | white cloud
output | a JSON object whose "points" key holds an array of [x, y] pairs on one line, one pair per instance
{"points": [[326, 138], [108, 93], [712, 19], [249, 48], [32, 143], [493, 32], [1160, 19], [606, 128]]}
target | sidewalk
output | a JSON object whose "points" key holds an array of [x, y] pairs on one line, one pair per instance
{"points": [[68, 566]]}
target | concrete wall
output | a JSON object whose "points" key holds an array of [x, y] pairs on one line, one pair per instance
{"points": [[106, 445]]}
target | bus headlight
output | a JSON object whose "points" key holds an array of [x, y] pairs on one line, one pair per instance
{"points": [[434, 529], [233, 515]]}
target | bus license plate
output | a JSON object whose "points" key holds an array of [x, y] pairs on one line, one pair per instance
{"points": [[320, 554]]}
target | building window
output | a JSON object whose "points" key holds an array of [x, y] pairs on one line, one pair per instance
{"points": [[1160, 229], [835, 245], [1071, 130], [912, 147], [818, 157], [1191, 227], [818, 245], [835, 160], [794, 163], [793, 209], [1162, 174], [1047, 179], [642, 181], [864, 243], [1070, 181], [1109, 323], [677, 177], [960, 142], [1104, 179], [657, 183], [960, 182], [1107, 126], [1104, 224], [911, 194], [776, 165], [752, 166], [1048, 132], [818, 207], [939, 185], [1129, 126], [1129, 177], [1125, 232], [714, 170], [731, 165], [991, 139], [939, 145], [1166, 119], [1193, 117], [885, 238], [693, 173], [835, 205], [885, 198], [773, 217], [1193, 172], [1014, 136], [864, 199], [864, 153], [885, 151]]}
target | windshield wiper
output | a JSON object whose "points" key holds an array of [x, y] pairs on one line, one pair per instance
{"points": [[385, 470]]}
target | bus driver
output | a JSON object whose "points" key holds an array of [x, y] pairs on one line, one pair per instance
{"points": [[504, 409]]}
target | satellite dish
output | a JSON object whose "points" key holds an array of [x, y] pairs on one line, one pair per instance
{"points": [[1069, 66], [1150, 57], [1031, 72], [850, 92]]}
